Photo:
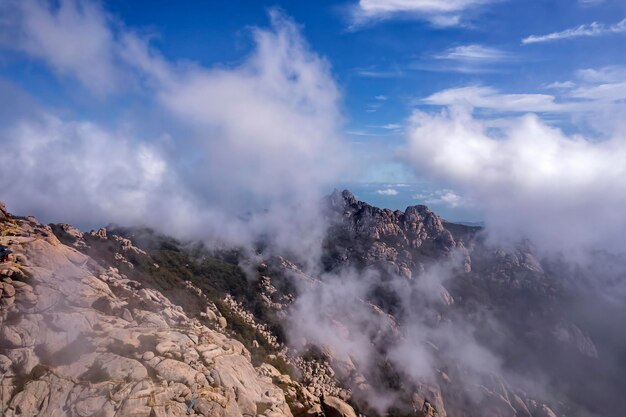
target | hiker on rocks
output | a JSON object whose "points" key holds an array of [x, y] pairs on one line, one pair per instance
{"points": [[4, 253]]}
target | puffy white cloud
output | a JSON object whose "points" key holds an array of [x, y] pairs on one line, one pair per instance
{"points": [[563, 192], [438, 12], [441, 197], [387, 191], [251, 150], [276, 115], [587, 30], [79, 171]]}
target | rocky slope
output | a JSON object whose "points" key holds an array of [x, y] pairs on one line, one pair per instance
{"points": [[80, 339]]}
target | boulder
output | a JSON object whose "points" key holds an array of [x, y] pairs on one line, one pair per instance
{"points": [[29, 401], [335, 407], [173, 370], [120, 368]]}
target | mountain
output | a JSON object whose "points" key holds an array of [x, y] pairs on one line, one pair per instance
{"points": [[405, 315]]}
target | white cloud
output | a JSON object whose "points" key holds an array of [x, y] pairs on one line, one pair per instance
{"points": [[468, 59], [602, 92], [254, 140], [441, 197], [474, 54], [372, 72], [492, 99], [79, 171], [442, 13], [387, 191], [392, 126], [530, 180], [587, 30], [589, 3], [381, 98], [609, 74], [561, 85], [597, 87], [73, 37]]}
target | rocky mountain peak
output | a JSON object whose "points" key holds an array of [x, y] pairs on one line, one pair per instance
{"points": [[364, 234], [339, 200]]}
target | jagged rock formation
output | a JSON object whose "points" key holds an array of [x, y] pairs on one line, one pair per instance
{"points": [[362, 235]]}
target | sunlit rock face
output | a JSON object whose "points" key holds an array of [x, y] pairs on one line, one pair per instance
{"points": [[80, 339], [362, 234]]}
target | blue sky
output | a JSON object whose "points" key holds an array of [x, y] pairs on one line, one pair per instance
{"points": [[387, 68]]}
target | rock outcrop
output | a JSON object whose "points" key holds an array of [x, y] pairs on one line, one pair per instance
{"points": [[3, 211], [335, 407], [362, 235]]}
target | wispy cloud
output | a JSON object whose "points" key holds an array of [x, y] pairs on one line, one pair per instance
{"points": [[391, 126], [560, 85], [589, 3], [443, 13], [490, 98], [387, 191], [591, 91], [474, 53], [608, 74], [588, 30], [49, 34], [373, 72], [596, 85], [468, 59]]}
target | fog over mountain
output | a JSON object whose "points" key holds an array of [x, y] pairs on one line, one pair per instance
{"points": [[189, 251]]}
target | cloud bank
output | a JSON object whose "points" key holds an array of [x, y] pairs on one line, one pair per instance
{"points": [[532, 180]]}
